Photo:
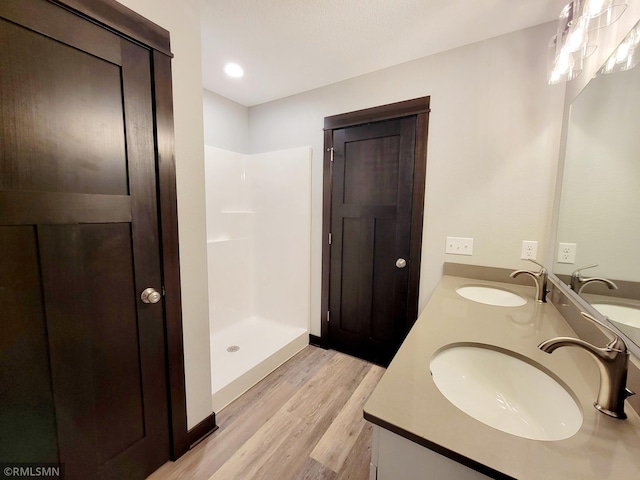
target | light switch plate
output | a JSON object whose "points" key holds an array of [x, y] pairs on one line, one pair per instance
{"points": [[567, 252], [459, 246]]}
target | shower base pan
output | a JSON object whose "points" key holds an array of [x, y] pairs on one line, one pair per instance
{"points": [[246, 352]]}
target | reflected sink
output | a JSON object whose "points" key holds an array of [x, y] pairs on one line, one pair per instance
{"points": [[491, 296], [505, 392], [626, 315]]}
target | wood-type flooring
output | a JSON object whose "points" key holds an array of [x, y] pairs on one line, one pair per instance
{"points": [[302, 422]]}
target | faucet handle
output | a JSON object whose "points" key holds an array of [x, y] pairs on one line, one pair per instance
{"points": [[543, 270], [576, 277], [616, 343], [577, 272]]}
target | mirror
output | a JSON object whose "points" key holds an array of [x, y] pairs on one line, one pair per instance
{"points": [[599, 217]]}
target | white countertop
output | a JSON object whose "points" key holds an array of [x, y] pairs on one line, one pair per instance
{"points": [[407, 402]]}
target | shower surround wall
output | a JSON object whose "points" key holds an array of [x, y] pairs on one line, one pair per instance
{"points": [[258, 242]]}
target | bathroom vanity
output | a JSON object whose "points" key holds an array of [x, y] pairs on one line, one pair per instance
{"points": [[419, 433]]}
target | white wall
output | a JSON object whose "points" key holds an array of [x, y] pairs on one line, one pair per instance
{"points": [[226, 123], [494, 134], [182, 20]]}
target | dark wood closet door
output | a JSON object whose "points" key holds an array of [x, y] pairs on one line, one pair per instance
{"points": [[82, 358], [371, 230]]}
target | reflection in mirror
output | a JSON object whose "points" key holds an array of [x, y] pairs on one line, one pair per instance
{"points": [[599, 218], [623, 313]]}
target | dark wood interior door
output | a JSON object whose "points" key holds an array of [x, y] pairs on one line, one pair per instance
{"points": [[82, 358], [371, 214]]}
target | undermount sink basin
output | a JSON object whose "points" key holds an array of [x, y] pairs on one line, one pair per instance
{"points": [[491, 296], [623, 314], [505, 392]]}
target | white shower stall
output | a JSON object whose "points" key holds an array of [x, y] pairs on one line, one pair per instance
{"points": [[258, 245]]}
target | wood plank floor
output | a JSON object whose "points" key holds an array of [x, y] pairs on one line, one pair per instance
{"points": [[302, 422]]}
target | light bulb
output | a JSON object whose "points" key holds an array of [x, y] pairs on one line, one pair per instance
{"points": [[233, 70], [593, 8], [577, 36], [622, 53], [609, 66], [562, 62]]}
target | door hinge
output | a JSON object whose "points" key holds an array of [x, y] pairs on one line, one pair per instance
{"points": [[329, 238], [330, 150], [328, 315]]}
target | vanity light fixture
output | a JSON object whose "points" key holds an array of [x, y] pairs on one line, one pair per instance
{"points": [[626, 56], [233, 70], [573, 41]]}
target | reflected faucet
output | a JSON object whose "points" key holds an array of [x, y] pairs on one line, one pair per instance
{"points": [[578, 282], [612, 362], [539, 277]]}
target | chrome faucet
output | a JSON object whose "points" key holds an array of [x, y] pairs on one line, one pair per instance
{"points": [[539, 277], [612, 362], [578, 282]]}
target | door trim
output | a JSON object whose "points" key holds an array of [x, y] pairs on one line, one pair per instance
{"points": [[127, 23], [418, 107], [405, 108], [168, 224], [123, 20]]}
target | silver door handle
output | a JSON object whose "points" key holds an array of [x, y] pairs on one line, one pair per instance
{"points": [[401, 263], [150, 295]]}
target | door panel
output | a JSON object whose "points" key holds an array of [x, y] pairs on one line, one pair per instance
{"points": [[371, 228], [27, 409], [357, 274], [93, 333], [383, 296], [371, 174], [78, 174], [60, 90]]}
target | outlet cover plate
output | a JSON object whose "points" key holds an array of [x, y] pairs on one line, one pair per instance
{"points": [[529, 250], [567, 252], [459, 246]]}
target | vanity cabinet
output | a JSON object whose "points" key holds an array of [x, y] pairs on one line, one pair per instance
{"points": [[396, 458]]}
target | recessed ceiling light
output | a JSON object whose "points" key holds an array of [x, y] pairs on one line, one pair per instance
{"points": [[233, 70]]}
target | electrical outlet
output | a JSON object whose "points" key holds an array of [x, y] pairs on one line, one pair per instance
{"points": [[529, 249], [567, 252], [459, 246]]}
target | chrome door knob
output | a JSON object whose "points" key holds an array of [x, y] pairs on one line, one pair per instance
{"points": [[401, 263], [150, 295]]}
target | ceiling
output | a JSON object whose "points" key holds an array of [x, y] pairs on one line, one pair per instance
{"points": [[291, 46]]}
